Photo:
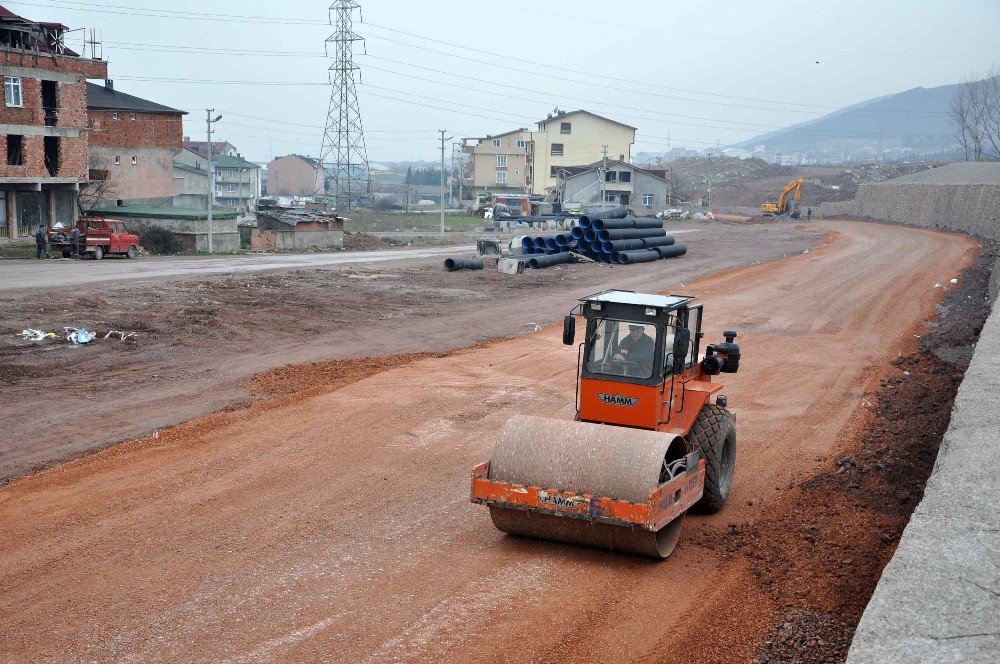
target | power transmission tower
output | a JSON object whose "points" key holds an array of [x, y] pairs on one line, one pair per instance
{"points": [[342, 153]]}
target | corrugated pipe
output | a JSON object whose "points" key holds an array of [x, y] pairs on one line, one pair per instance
{"points": [[536, 262], [623, 245], [648, 223], [650, 242], [528, 244], [671, 251], [630, 233], [638, 256], [452, 264], [578, 232]]}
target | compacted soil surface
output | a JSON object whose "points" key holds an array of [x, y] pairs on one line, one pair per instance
{"points": [[329, 519], [200, 338]]}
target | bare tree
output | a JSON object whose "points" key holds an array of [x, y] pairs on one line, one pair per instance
{"points": [[975, 116], [101, 186]]}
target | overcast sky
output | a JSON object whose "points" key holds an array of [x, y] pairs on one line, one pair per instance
{"points": [[694, 72]]}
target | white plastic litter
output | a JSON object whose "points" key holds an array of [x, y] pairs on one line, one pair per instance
{"points": [[954, 281], [78, 335], [32, 334], [122, 336]]}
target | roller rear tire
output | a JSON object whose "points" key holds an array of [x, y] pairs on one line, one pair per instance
{"points": [[714, 435]]}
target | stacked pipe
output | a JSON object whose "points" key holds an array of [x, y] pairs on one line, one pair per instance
{"points": [[610, 236], [622, 239]]}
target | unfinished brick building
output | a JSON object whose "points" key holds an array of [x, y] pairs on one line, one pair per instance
{"points": [[43, 124]]}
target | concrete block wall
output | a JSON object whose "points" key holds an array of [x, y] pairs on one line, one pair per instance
{"points": [[971, 208]]}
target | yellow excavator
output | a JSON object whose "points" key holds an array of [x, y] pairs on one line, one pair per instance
{"points": [[788, 202]]}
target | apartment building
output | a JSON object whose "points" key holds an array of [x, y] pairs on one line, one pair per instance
{"points": [[578, 137], [44, 124], [500, 164], [237, 182], [523, 161]]}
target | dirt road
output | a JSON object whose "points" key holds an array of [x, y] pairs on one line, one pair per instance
{"points": [[335, 526], [20, 275], [200, 339]]}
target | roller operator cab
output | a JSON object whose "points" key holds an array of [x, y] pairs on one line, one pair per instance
{"points": [[652, 437], [639, 363]]}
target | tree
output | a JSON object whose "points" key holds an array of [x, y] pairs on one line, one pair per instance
{"points": [[975, 115], [409, 175], [100, 187]]}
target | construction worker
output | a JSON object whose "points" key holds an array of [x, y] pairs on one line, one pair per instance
{"points": [[74, 242], [637, 348], [809, 214], [40, 241]]}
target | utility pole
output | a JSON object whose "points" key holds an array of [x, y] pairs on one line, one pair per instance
{"points": [[209, 121], [443, 139], [604, 173], [709, 180]]}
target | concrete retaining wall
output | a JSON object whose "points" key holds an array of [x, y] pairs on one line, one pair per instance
{"points": [[939, 597], [972, 208]]}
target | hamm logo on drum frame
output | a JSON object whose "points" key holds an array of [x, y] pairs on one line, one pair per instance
{"points": [[618, 399]]}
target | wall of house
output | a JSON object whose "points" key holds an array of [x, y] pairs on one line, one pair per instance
{"points": [[150, 130], [150, 179], [291, 176], [643, 183], [583, 145]]}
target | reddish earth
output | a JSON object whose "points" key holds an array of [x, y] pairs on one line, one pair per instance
{"points": [[334, 524]]}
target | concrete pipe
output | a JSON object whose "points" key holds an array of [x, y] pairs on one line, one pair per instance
{"points": [[453, 264]]}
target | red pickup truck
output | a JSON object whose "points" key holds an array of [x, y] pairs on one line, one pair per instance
{"points": [[98, 237]]}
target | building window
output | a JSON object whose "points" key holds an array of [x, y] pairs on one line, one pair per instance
{"points": [[114, 116], [553, 171], [12, 91], [522, 144], [231, 188], [131, 116], [501, 177], [610, 197], [611, 176], [501, 161], [15, 150], [647, 200], [135, 160], [496, 142], [624, 176], [565, 127], [118, 160], [557, 150]]}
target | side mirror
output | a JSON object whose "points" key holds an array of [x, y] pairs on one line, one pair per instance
{"points": [[682, 342], [569, 330]]}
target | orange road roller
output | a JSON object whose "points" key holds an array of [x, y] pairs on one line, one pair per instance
{"points": [[652, 437]]}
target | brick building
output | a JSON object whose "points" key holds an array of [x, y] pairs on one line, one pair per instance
{"points": [[132, 145], [44, 124], [295, 175]]}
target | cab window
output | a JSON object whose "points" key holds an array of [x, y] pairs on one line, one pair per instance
{"points": [[622, 348]]}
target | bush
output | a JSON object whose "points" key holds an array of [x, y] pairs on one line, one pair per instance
{"points": [[158, 240]]}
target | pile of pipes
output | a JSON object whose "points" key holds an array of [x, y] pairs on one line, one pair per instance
{"points": [[610, 236]]}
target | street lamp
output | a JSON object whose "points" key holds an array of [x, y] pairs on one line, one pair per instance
{"points": [[209, 121]]}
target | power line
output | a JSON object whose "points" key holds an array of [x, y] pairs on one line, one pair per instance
{"points": [[265, 19]]}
